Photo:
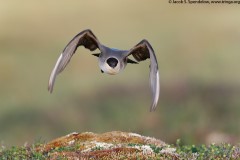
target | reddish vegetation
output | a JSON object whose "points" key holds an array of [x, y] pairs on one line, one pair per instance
{"points": [[110, 145]]}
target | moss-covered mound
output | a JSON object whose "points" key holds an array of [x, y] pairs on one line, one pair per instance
{"points": [[110, 145], [117, 145]]}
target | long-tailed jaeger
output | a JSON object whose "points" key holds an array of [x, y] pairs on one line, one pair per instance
{"points": [[111, 60]]}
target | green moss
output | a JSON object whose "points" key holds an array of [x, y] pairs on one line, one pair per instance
{"points": [[156, 149], [23, 153], [213, 151], [201, 152]]}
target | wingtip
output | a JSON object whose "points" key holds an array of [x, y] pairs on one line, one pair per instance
{"points": [[50, 86], [153, 108], [155, 94], [50, 89]]}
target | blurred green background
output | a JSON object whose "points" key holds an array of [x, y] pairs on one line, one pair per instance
{"points": [[197, 47]]}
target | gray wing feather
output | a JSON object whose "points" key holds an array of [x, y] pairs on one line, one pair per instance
{"points": [[140, 52], [85, 38], [154, 78]]}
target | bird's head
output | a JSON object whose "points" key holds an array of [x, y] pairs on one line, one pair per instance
{"points": [[110, 65], [112, 61]]}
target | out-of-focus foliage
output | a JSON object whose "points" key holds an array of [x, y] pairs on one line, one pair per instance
{"points": [[197, 47]]}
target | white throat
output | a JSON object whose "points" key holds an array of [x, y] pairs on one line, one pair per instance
{"points": [[107, 69]]}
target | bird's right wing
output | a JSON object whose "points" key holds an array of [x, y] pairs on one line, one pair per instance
{"points": [[142, 51], [85, 38]]}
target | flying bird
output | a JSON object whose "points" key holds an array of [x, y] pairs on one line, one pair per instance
{"points": [[111, 60]]}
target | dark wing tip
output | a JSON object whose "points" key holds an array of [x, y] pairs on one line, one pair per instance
{"points": [[153, 108], [50, 87], [50, 84]]}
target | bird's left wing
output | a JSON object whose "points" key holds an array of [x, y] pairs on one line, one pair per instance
{"points": [[85, 38], [142, 51]]}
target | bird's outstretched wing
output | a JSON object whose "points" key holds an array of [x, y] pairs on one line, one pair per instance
{"points": [[142, 51], [85, 38]]}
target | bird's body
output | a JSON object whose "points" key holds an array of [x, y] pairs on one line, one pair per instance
{"points": [[110, 60]]}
